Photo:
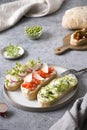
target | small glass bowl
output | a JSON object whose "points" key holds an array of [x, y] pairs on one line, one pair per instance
{"points": [[33, 32]]}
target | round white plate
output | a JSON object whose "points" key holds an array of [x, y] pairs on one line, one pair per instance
{"points": [[4, 53], [18, 100]]}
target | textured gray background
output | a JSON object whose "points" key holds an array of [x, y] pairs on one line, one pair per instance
{"points": [[53, 34]]}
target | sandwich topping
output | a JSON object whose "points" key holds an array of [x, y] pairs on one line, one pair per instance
{"points": [[56, 88], [32, 80], [81, 34], [79, 37], [32, 84]]}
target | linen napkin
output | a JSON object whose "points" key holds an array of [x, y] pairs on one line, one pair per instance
{"points": [[12, 12], [75, 118]]}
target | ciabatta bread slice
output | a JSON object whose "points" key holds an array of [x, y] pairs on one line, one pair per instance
{"points": [[34, 81], [79, 37], [12, 82], [56, 89]]}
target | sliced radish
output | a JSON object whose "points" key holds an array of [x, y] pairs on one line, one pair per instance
{"points": [[3, 109], [13, 78], [8, 76], [28, 78], [44, 68], [29, 70], [37, 76]]}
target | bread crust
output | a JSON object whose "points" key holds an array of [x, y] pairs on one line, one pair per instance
{"points": [[13, 87], [32, 95], [75, 18]]}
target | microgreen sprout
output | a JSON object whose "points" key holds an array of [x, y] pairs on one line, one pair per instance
{"points": [[12, 50], [32, 63], [33, 32]]}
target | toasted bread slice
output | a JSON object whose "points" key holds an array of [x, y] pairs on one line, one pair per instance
{"points": [[32, 94], [55, 90], [12, 82], [12, 87]]}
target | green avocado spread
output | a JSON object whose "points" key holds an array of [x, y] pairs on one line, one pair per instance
{"points": [[56, 87]]}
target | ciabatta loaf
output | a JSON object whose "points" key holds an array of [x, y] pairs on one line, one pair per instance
{"points": [[75, 18], [56, 89], [37, 79]]}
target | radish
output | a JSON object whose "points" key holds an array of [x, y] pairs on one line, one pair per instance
{"points": [[8, 76], [11, 78], [37, 76], [45, 68], [28, 78], [3, 109], [29, 70]]}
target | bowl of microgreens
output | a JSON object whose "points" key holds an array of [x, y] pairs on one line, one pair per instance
{"points": [[12, 51], [33, 32]]}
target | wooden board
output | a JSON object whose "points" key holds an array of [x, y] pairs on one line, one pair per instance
{"points": [[67, 46]]}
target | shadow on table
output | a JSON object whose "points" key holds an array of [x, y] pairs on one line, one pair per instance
{"points": [[46, 35], [9, 114]]}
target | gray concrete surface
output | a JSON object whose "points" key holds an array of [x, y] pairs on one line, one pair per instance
{"points": [[52, 37]]}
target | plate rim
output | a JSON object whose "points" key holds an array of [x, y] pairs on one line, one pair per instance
{"points": [[12, 58], [39, 109]]}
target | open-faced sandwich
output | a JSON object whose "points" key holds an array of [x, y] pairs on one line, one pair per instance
{"points": [[56, 89], [37, 79], [79, 37], [15, 76], [12, 81]]}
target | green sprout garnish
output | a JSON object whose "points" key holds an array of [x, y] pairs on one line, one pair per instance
{"points": [[21, 68], [18, 65], [13, 71], [6, 81], [38, 61], [8, 71], [33, 32], [12, 50], [32, 63]]}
